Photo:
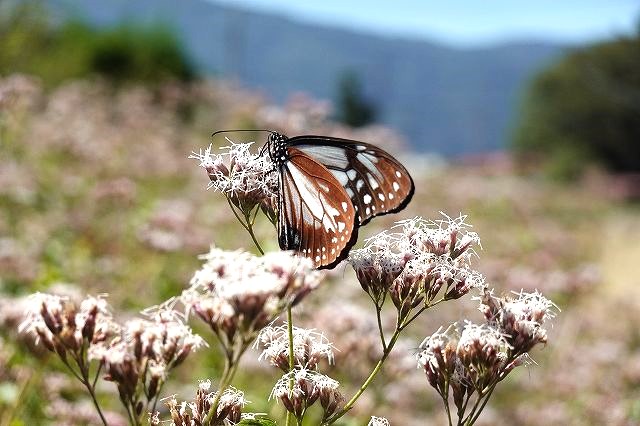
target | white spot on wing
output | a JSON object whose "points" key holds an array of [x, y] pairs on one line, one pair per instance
{"points": [[341, 226], [396, 186], [398, 174], [352, 174], [367, 199], [381, 196], [369, 162], [372, 181], [327, 155], [342, 177], [390, 196], [359, 184], [345, 206]]}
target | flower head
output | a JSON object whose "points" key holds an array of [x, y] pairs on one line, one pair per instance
{"points": [[247, 180], [61, 326], [309, 347], [229, 409], [378, 421], [308, 387], [418, 261], [146, 350], [237, 293], [520, 319]]}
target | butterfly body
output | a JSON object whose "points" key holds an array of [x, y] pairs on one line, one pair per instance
{"points": [[328, 188]]}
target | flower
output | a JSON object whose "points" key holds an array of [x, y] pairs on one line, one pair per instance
{"points": [[145, 351], [247, 180], [237, 293], [309, 347], [417, 262], [301, 388], [61, 326], [520, 319], [378, 421], [229, 409]]}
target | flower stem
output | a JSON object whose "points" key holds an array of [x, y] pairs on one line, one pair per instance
{"points": [[380, 330], [367, 382], [91, 390], [246, 224], [253, 237], [291, 355]]}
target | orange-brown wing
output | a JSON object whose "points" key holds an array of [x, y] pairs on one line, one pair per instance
{"points": [[375, 181], [316, 216]]}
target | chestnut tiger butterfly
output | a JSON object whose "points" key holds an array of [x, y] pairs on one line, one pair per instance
{"points": [[327, 188]]}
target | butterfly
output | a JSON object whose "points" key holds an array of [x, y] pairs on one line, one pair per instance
{"points": [[328, 187]]}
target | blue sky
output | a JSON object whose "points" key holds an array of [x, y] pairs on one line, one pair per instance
{"points": [[467, 22]]}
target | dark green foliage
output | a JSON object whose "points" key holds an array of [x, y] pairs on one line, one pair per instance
{"points": [[30, 43], [129, 53], [585, 109], [353, 108]]}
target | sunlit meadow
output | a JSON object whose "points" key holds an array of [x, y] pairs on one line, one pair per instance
{"points": [[152, 283]]}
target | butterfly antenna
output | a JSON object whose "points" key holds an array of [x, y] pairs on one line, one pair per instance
{"points": [[241, 130]]}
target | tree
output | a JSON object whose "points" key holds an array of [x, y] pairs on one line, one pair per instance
{"points": [[353, 108], [585, 109]]}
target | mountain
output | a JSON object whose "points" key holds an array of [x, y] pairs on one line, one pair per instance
{"points": [[444, 100]]}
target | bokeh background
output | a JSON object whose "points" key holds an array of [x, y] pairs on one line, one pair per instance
{"points": [[526, 117]]}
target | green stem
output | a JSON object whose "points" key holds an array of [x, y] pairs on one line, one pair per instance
{"points": [[445, 400], [84, 379], [485, 399], [291, 356], [379, 315], [224, 382], [246, 224], [366, 383], [255, 240], [232, 360]]}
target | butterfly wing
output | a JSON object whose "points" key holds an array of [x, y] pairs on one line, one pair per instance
{"points": [[375, 181], [316, 216]]}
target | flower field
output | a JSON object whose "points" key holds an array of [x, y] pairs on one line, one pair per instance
{"points": [[98, 196]]}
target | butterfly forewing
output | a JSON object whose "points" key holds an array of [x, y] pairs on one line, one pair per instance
{"points": [[375, 182], [316, 216]]}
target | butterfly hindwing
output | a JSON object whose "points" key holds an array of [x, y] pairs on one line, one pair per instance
{"points": [[316, 216], [376, 182]]}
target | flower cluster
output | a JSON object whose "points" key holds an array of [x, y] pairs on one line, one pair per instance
{"points": [[237, 293], [65, 328], [229, 407], [309, 347], [136, 356], [475, 359], [414, 264], [247, 180], [139, 359], [519, 319], [378, 421], [299, 388]]}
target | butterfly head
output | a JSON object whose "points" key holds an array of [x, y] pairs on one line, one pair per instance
{"points": [[277, 147]]}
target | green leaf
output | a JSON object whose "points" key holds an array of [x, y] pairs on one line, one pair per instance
{"points": [[257, 422]]}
